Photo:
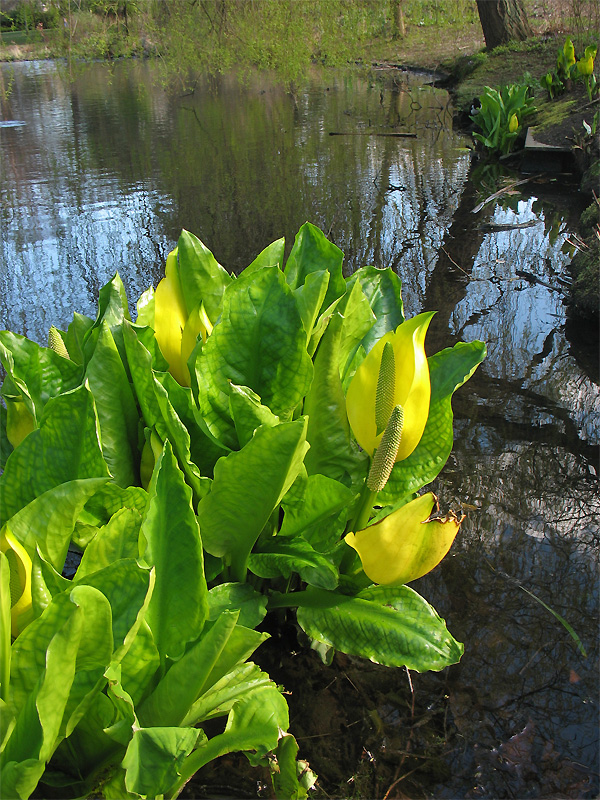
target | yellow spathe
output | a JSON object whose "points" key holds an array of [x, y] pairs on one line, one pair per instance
{"points": [[412, 387], [20, 582], [406, 544], [176, 331]]}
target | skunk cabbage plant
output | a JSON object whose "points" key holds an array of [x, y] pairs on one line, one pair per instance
{"points": [[249, 443]]}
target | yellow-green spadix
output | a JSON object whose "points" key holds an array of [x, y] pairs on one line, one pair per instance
{"points": [[176, 328], [407, 544], [408, 380]]}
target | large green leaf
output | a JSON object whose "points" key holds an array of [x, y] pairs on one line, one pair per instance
{"points": [[116, 408], [140, 664], [65, 447], [116, 540], [259, 343], [247, 487], [310, 296], [254, 724], [280, 556], [408, 633], [313, 252], [4, 628], [154, 758], [449, 369], [38, 372], [383, 289], [315, 512], [113, 310], [220, 698], [271, 256], [241, 597], [184, 682], [179, 603], [48, 521], [328, 434], [203, 279], [75, 335], [358, 321], [248, 413]]}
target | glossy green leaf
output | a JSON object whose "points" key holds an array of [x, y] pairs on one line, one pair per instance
{"points": [[6, 447], [203, 279], [383, 289], [38, 372], [271, 256], [113, 310], [179, 604], [254, 724], [328, 433], [358, 321], [291, 779], [280, 556], [48, 521], [75, 336], [19, 779], [239, 682], [116, 540], [248, 413], [449, 369], [408, 633], [259, 343], [314, 512], [313, 252], [117, 411], [65, 447], [140, 664], [274, 456], [241, 597], [184, 682], [154, 757], [310, 296]]}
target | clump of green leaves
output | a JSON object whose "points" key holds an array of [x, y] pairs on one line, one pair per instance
{"points": [[500, 116], [191, 511]]}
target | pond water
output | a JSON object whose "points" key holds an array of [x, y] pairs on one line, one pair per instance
{"points": [[100, 174]]}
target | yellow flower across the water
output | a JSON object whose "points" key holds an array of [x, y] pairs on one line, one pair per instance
{"points": [[585, 65], [407, 544], [20, 582], [569, 52], [370, 403], [176, 327], [513, 123]]}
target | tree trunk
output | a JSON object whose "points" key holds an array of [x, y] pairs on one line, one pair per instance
{"points": [[399, 28], [503, 21]]}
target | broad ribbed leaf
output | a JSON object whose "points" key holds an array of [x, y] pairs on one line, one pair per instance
{"points": [[313, 252], [248, 413], [254, 724], [280, 556], [140, 663], [38, 372], [328, 434], [310, 296], [116, 408], [314, 512], [116, 540], [383, 289], [48, 521], [219, 699], [203, 279], [247, 487], [410, 633], [184, 682], [358, 321], [65, 447], [241, 597], [75, 336], [179, 603], [449, 369], [271, 256], [154, 757], [259, 343]]}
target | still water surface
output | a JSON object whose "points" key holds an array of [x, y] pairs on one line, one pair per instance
{"points": [[100, 174]]}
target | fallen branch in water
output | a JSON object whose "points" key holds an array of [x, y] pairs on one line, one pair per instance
{"points": [[374, 133]]}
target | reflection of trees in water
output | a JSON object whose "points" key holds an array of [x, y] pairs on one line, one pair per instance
{"points": [[536, 525]]}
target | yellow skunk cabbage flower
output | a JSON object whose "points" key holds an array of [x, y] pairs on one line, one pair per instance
{"points": [[394, 373], [20, 582], [513, 123], [406, 544], [175, 329], [569, 52], [585, 65]]}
